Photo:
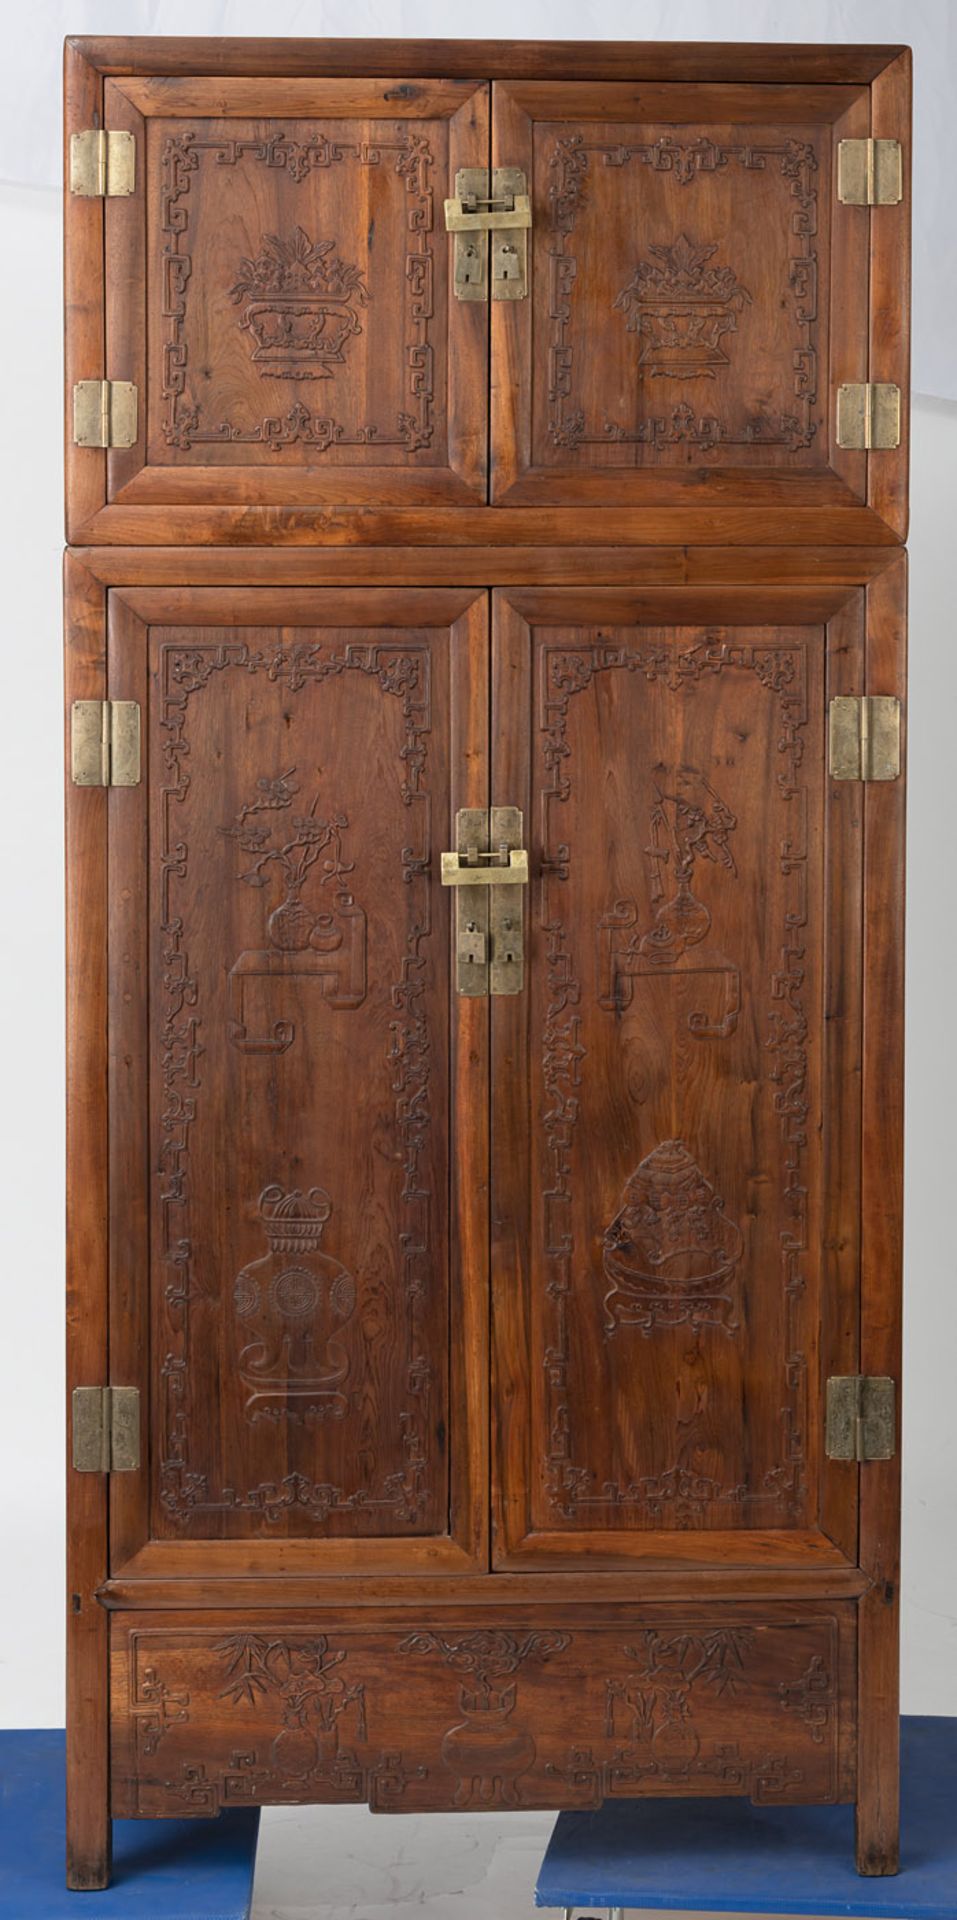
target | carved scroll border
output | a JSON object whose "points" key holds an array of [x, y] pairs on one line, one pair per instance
{"points": [[180, 423], [679, 1492], [402, 670], [568, 167]]}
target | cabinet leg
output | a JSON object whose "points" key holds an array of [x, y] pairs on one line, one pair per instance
{"points": [[89, 1830], [89, 1849], [878, 1732], [877, 1841]]}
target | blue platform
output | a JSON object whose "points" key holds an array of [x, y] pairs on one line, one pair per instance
{"points": [[162, 1869], [726, 1856]]}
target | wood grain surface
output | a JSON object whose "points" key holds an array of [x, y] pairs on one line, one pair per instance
{"points": [[482, 1345]]}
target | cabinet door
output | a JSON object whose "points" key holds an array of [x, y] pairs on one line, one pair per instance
{"points": [[298, 1276], [698, 295], [676, 1098], [278, 288]]}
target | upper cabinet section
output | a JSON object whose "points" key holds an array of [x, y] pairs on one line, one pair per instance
{"points": [[700, 294], [275, 338], [276, 288]]}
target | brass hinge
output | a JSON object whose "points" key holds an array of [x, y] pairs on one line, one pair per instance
{"points": [[487, 867], [870, 173], [484, 208], [864, 736], [861, 1417], [104, 413], [106, 1429], [102, 163], [105, 743], [869, 415]]}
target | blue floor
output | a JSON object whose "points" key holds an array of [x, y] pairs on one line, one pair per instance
{"points": [[162, 1869], [726, 1856]]}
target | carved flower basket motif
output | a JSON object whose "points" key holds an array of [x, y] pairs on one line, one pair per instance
{"points": [[301, 306], [681, 309]]}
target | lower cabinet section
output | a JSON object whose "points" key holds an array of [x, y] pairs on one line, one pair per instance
{"points": [[488, 1707]]}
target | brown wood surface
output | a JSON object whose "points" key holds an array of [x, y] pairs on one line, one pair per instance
{"points": [[286, 235], [83, 282], [727, 60], [281, 297], [288, 1298], [304, 1590], [640, 1586], [484, 566], [882, 1205], [682, 339], [658, 1091], [87, 1362], [843, 1015], [781, 526], [890, 292], [410, 1715]]}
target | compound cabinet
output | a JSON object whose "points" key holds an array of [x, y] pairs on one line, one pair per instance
{"points": [[485, 665]]}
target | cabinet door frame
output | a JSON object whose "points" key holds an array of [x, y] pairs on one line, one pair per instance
{"points": [[868, 289], [114, 847], [109, 281], [859, 1515]]}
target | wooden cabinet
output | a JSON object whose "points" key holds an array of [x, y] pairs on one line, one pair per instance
{"points": [[481, 1347]]}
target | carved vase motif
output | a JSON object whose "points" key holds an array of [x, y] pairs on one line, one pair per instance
{"points": [[487, 1754], [290, 1307]]}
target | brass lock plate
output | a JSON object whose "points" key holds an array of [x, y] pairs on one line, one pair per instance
{"points": [[488, 869], [471, 904], [507, 906], [489, 216]]}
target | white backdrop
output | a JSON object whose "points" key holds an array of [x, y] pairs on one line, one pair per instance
{"points": [[31, 1435]]}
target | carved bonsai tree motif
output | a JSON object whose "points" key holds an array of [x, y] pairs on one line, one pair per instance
{"points": [[670, 1252], [325, 939], [690, 823], [291, 925], [681, 309], [312, 1694], [487, 1755], [655, 1701], [301, 306]]}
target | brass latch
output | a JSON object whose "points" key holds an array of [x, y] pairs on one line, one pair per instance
{"points": [[104, 413], [102, 163], [482, 208], [861, 1417], [869, 416], [488, 863], [106, 1429], [864, 736], [870, 173], [105, 743]]}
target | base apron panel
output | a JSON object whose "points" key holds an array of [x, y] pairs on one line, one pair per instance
{"points": [[547, 1710]]}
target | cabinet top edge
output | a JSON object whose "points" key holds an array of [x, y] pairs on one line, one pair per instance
{"points": [[650, 60]]}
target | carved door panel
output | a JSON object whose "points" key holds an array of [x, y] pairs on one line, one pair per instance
{"points": [[698, 294], [277, 286], [293, 1258], [676, 1147]]}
